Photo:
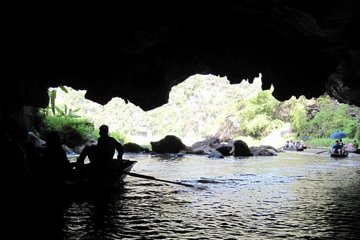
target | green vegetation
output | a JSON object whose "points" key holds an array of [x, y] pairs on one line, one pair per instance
{"points": [[73, 131], [205, 106], [330, 116], [257, 115]]}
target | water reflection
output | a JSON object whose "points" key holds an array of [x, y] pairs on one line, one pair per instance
{"points": [[292, 196]]}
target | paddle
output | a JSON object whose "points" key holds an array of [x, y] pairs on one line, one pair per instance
{"points": [[322, 151], [157, 179]]}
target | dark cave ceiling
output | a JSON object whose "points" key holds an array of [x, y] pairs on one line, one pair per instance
{"points": [[139, 51]]}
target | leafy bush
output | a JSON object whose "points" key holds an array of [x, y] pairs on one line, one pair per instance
{"points": [[298, 118], [261, 125], [73, 131], [258, 114], [331, 119]]}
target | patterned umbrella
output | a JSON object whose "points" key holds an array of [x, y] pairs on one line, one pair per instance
{"points": [[338, 135]]}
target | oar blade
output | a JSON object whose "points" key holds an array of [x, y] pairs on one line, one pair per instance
{"points": [[322, 151], [157, 179]]}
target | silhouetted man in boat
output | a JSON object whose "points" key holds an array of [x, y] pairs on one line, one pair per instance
{"points": [[101, 155]]}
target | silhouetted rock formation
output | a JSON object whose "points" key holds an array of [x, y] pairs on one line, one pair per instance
{"points": [[301, 47], [241, 149], [138, 52], [134, 148], [169, 144]]}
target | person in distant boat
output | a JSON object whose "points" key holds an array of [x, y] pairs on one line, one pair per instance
{"points": [[355, 145], [342, 145], [350, 147], [101, 155], [337, 147], [291, 144], [286, 144], [341, 142], [302, 144]]}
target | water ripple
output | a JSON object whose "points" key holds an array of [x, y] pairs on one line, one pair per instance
{"points": [[289, 196]]}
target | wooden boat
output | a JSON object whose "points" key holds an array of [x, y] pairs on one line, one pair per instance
{"points": [[339, 155], [357, 151], [294, 149], [91, 183]]}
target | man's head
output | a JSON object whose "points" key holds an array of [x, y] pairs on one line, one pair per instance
{"points": [[103, 130]]}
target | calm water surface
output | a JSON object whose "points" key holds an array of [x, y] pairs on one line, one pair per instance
{"points": [[291, 196]]}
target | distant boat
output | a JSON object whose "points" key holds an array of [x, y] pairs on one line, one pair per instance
{"points": [[294, 149], [357, 151]]}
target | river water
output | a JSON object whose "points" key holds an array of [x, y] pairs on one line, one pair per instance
{"points": [[293, 196]]}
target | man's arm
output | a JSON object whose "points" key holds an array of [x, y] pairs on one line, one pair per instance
{"points": [[120, 150]]}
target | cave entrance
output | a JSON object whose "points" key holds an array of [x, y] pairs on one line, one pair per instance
{"points": [[205, 106], [200, 107]]}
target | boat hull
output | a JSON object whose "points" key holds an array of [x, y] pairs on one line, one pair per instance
{"points": [[90, 184], [339, 155], [294, 149]]}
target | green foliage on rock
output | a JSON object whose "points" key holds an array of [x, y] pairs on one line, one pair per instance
{"points": [[73, 131], [330, 116]]}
